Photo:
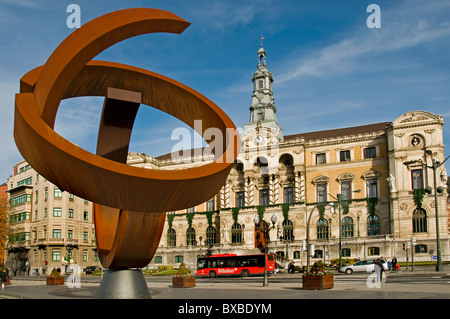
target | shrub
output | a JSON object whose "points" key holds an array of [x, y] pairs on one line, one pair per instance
{"points": [[183, 271]]}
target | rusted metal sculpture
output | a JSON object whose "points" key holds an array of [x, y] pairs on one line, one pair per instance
{"points": [[130, 202]]}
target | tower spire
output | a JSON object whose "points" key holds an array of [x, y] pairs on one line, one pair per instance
{"points": [[263, 109]]}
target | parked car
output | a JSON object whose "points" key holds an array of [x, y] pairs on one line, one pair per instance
{"points": [[90, 269], [363, 266]]}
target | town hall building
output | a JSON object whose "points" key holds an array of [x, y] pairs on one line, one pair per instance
{"points": [[365, 189]]}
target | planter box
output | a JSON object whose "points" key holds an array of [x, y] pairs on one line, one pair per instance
{"points": [[51, 281], [183, 282], [318, 282]]}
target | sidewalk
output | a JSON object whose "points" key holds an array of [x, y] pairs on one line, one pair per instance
{"points": [[281, 286]]}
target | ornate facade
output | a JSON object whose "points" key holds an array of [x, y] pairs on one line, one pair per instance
{"points": [[360, 186], [291, 177]]}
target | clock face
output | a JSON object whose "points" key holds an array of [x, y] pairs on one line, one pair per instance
{"points": [[259, 139], [415, 141]]}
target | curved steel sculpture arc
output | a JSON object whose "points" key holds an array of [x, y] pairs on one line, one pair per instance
{"points": [[129, 202]]}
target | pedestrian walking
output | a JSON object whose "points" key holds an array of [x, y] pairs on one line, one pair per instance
{"points": [[291, 268], [394, 264], [3, 277], [379, 269]]}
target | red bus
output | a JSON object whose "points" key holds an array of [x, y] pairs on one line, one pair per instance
{"points": [[232, 264]]}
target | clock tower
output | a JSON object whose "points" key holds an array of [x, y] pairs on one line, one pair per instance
{"points": [[262, 127]]}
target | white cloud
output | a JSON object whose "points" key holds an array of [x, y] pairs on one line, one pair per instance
{"points": [[403, 27]]}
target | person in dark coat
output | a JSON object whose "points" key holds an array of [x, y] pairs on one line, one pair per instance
{"points": [[394, 264], [3, 277]]}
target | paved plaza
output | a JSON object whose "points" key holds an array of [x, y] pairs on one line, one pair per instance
{"points": [[422, 283]]}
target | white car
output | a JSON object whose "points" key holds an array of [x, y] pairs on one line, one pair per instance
{"points": [[363, 266]]}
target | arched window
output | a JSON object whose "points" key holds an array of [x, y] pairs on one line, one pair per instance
{"points": [[190, 237], [171, 237], [210, 236], [373, 225], [322, 228], [347, 227], [288, 230], [420, 221], [236, 233]]}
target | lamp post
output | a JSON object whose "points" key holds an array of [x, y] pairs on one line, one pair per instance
{"points": [[434, 167], [265, 231], [338, 198]]}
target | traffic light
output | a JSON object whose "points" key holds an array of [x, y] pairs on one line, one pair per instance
{"points": [[404, 246]]}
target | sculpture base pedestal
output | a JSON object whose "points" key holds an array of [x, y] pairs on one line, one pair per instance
{"points": [[123, 284]]}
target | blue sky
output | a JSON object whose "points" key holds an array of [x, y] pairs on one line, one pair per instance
{"points": [[330, 69]]}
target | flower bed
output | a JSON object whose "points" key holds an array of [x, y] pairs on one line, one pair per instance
{"points": [[318, 278], [318, 281], [183, 279], [183, 282]]}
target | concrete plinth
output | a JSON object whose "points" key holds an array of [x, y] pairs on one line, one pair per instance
{"points": [[123, 284]]}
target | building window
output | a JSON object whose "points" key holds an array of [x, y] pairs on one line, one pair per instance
{"points": [[417, 179], [370, 152], [420, 249], [171, 237], [178, 259], [56, 233], [56, 255], [70, 234], [263, 197], [346, 191], [288, 195], [373, 251], [236, 233], [288, 230], [346, 252], [70, 213], [57, 193], [210, 236], [190, 237], [85, 236], [85, 215], [347, 227], [321, 192], [322, 229], [318, 253], [240, 200], [158, 260], [420, 221], [85, 255], [297, 254], [57, 211], [371, 187], [345, 156], [373, 225], [210, 205], [321, 158]]}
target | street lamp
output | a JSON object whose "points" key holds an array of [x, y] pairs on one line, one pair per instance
{"points": [[339, 200], [265, 231], [434, 167]]}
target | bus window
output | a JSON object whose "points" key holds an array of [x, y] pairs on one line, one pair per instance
{"points": [[231, 263], [213, 263], [202, 263], [269, 257]]}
